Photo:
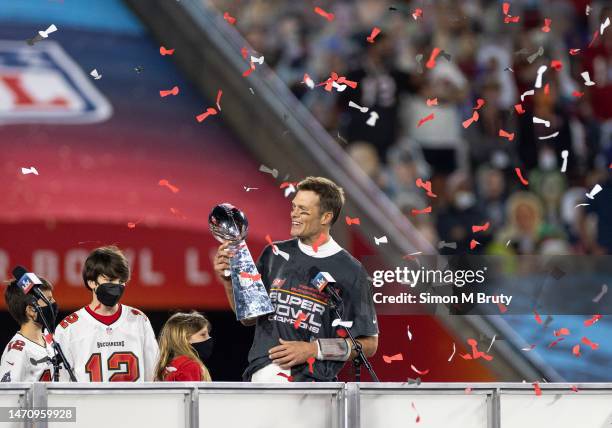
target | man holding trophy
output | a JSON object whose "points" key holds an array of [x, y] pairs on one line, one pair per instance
{"points": [[297, 334]]}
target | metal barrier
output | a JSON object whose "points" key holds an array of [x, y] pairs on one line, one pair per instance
{"points": [[317, 405]]}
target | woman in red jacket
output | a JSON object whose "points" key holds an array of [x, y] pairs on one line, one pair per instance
{"points": [[184, 345]]}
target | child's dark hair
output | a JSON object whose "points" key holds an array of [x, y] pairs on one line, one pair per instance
{"points": [[108, 261], [17, 301]]}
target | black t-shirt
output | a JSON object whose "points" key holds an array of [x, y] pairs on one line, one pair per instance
{"points": [[288, 283]]}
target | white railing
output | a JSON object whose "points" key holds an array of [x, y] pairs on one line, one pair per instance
{"points": [[317, 405]]}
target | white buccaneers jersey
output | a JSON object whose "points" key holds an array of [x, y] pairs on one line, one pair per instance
{"points": [[26, 361], [124, 351]]}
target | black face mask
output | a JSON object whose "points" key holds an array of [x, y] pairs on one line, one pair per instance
{"points": [[50, 314], [204, 349], [109, 294]]}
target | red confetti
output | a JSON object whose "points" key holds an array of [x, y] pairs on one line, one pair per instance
{"points": [[431, 63], [474, 118], [301, 317], [210, 111], [320, 241], [418, 418], [252, 277], [349, 83], [415, 212], [418, 13], [507, 135], [574, 51], [576, 350], [372, 36], [311, 362], [577, 94], [519, 108], [479, 103], [594, 38], [473, 244], [419, 372], [425, 119], [506, 8], [537, 317], [514, 19], [289, 378], [285, 184], [249, 70], [555, 342], [574, 388], [229, 18], [164, 51], [341, 332], [167, 184], [482, 228], [546, 27], [219, 94], [396, 357], [502, 308], [556, 64], [173, 91], [350, 221], [244, 52], [432, 102], [562, 332], [132, 225], [595, 318], [329, 16], [588, 342], [547, 89], [536, 387], [427, 186], [520, 176]]}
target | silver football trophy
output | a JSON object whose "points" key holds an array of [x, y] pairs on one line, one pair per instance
{"points": [[228, 223]]}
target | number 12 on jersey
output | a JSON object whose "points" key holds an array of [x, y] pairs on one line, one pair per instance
{"points": [[127, 362]]}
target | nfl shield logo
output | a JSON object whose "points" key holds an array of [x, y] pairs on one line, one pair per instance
{"points": [[42, 84]]}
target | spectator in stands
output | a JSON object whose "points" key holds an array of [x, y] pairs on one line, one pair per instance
{"points": [[366, 156], [185, 347], [524, 223]]}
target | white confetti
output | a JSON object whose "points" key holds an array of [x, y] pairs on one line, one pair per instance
{"points": [[604, 290], [44, 34], [453, 354], [358, 107], [381, 240], [548, 137], [373, 118], [596, 189], [338, 322], [587, 79], [94, 73], [31, 170], [546, 123]]}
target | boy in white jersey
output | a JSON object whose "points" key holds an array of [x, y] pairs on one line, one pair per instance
{"points": [[106, 341], [27, 357]]}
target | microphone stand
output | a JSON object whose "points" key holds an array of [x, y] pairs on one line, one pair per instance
{"points": [[360, 359], [59, 357]]}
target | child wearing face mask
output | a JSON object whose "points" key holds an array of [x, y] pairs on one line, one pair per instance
{"points": [[27, 357], [185, 346]]}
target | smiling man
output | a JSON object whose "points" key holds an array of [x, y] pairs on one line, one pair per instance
{"points": [[300, 328]]}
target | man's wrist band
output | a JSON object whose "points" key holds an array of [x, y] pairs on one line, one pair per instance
{"points": [[333, 349]]}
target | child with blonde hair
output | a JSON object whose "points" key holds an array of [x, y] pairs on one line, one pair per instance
{"points": [[184, 345]]}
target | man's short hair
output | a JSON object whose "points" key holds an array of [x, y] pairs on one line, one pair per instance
{"points": [[331, 196], [108, 261], [17, 301]]}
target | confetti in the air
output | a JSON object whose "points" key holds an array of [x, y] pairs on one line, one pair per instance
{"points": [[546, 27], [320, 241], [594, 191], [604, 25], [210, 111], [381, 240], [592, 320], [536, 55], [604, 290], [256, 60], [272, 172], [425, 119], [453, 354], [372, 36], [537, 120], [219, 94], [483, 228], [308, 81], [372, 119], [251, 276], [556, 64], [408, 332], [418, 417], [311, 362], [561, 332], [587, 79], [173, 91], [564, 156], [427, 186], [301, 317], [94, 73], [473, 244], [351, 221], [443, 244], [474, 118], [574, 51], [329, 16], [286, 376], [432, 102], [537, 317], [132, 225], [229, 18], [31, 170], [167, 184], [594, 346], [540, 74], [416, 212], [492, 342], [519, 108], [396, 357], [537, 389], [419, 372], [431, 63], [163, 51], [338, 322], [520, 176], [555, 342], [529, 348], [576, 351], [418, 13], [358, 107], [505, 134], [548, 137]]}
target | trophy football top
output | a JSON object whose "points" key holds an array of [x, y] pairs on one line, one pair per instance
{"points": [[228, 223]]}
